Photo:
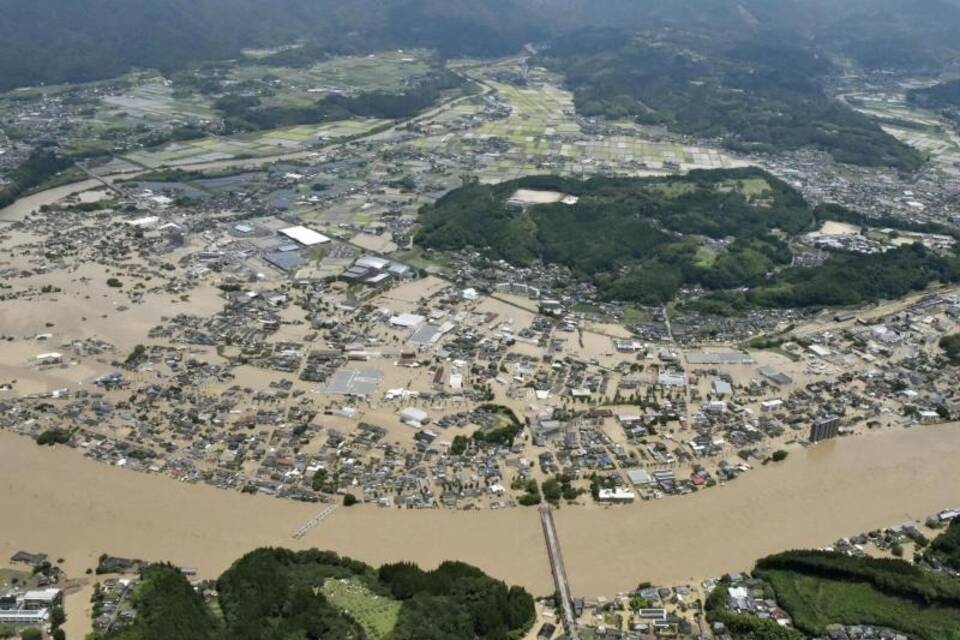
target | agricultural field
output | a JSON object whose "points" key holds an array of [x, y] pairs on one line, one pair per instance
{"points": [[263, 143], [152, 98], [376, 614], [386, 71], [151, 102], [917, 127], [544, 135]]}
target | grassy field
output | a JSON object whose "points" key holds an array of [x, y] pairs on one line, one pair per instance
{"points": [[816, 602], [385, 71], [376, 614], [418, 259]]}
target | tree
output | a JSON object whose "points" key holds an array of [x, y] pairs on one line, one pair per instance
{"points": [[114, 282], [552, 491], [319, 480], [57, 617], [349, 500], [780, 456], [31, 634], [459, 445]]}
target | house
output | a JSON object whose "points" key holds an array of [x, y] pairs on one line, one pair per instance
{"points": [[617, 496], [49, 358], [23, 616], [667, 378], [42, 599], [722, 387], [414, 417], [372, 262]]}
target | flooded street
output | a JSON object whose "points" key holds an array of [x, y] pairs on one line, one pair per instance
{"points": [[55, 501]]}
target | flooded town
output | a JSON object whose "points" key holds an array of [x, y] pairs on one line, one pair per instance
{"points": [[228, 342]]}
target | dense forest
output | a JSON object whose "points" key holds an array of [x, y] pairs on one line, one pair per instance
{"points": [[52, 41], [757, 96], [844, 280], [42, 164], [946, 548], [943, 97], [276, 594], [642, 240], [820, 588]]}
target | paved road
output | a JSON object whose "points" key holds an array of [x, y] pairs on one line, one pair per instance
{"points": [[559, 573]]}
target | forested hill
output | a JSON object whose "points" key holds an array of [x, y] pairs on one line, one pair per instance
{"points": [[644, 239], [755, 96], [275, 594], [941, 96], [50, 41]]}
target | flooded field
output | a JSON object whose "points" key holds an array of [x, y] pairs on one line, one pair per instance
{"points": [[55, 501]]}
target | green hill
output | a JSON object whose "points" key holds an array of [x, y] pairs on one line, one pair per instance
{"points": [[276, 594], [53, 41], [643, 239], [821, 588], [637, 239], [753, 95]]}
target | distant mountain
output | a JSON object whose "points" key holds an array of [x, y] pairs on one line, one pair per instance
{"points": [[46, 41], [50, 41]]}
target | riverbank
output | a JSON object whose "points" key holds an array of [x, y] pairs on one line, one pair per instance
{"points": [[58, 502]]}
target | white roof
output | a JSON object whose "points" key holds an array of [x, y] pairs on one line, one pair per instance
{"points": [[47, 595], [616, 494], [372, 262], [306, 237], [414, 414], [146, 221], [407, 320], [820, 350]]}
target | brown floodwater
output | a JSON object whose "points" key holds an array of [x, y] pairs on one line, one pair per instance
{"points": [[56, 501]]}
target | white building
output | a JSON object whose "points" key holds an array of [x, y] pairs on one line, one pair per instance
{"points": [[306, 237]]}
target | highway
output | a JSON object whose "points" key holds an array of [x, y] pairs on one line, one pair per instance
{"points": [[559, 573]]}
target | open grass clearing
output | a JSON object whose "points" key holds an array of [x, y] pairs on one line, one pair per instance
{"points": [[376, 614]]}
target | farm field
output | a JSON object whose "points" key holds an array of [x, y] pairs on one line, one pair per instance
{"points": [[152, 98], [542, 134], [264, 143], [919, 128], [384, 71]]}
